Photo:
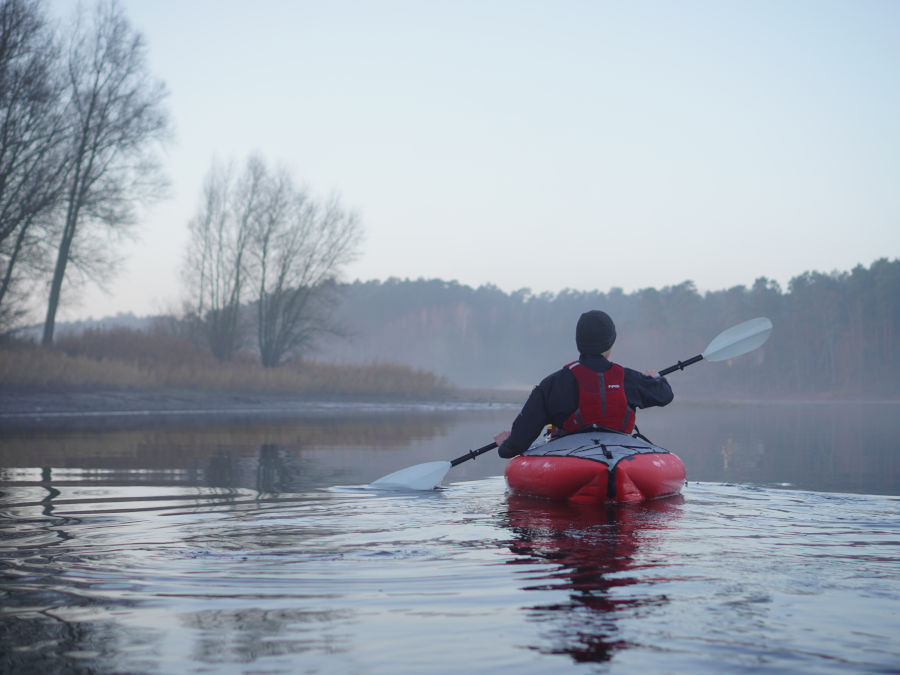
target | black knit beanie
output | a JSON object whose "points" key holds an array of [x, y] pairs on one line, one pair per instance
{"points": [[595, 333]]}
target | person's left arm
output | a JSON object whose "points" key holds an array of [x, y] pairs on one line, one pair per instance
{"points": [[647, 389]]}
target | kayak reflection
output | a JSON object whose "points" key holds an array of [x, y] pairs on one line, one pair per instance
{"points": [[593, 548]]}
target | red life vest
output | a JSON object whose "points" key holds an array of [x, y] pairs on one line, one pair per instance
{"points": [[601, 400]]}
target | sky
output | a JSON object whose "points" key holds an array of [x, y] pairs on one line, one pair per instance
{"points": [[541, 145]]}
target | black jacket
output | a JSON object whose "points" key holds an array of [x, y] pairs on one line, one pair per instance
{"points": [[556, 397]]}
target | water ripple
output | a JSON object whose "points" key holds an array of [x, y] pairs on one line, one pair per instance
{"points": [[729, 574]]}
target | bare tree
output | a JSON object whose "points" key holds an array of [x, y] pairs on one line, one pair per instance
{"points": [[216, 263], [117, 121], [299, 249], [261, 230], [31, 136]]}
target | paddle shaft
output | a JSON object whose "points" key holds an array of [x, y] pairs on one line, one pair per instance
{"points": [[681, 365], [472, 454]]}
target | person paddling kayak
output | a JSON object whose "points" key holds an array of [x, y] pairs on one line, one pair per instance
{"points": [[586, 394]]}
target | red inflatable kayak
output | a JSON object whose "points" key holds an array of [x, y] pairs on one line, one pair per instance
{"points": [[594, 467]]}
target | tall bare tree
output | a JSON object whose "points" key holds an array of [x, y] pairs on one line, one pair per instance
{"points": [[117, 122], [261, 230], [299, 249], [31, 136], [215, 267]]}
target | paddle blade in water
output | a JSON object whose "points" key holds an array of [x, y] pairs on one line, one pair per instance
{"points": [[737, 340], [425, 476]]}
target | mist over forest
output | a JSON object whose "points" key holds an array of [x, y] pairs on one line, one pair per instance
{"points": [[835, 333]]}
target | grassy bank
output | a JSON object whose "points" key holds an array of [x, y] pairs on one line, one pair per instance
{"points": [[133, 361]]}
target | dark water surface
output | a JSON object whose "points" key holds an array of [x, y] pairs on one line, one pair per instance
{"points": [[253, 547]]}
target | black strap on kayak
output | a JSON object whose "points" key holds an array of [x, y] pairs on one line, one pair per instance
{"points": [[611, 480], [613, 466], [637, 434], [610, 472]]}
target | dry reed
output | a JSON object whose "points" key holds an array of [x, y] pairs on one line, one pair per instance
{"points": [[129, 360]]}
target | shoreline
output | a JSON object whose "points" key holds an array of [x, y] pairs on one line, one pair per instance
{"points": [[64, 410], [61, 410]]}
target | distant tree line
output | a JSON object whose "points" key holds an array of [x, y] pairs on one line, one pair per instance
{"points": [[81, 126], [835, 333]]}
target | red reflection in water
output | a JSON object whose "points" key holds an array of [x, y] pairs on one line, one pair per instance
{"points": [[592, 546]]}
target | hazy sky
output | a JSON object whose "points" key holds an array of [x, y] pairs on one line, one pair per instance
{"points": [[545, 145]]}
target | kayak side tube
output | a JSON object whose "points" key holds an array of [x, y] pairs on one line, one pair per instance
{"points": [[631, 478]]}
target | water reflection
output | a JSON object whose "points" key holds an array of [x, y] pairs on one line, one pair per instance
{"points": [[53, 644], [594, 549], [274, 473], [829, 447], [95, 523], [825, 447], [246, 635], [167, 448], [52, 492], [260, 455]]}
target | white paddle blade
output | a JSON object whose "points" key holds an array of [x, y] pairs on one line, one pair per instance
{"points": [[740, 339], [425, 476]]}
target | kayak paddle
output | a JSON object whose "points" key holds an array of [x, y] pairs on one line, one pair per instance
{"points": [[425, 476], [734, 341], [737, 340]]}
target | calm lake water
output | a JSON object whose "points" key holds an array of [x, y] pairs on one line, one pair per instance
{"points": [[254, 547]]}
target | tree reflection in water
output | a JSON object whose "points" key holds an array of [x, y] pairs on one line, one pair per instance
{"points": [[248, 634], [594, 546]]}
